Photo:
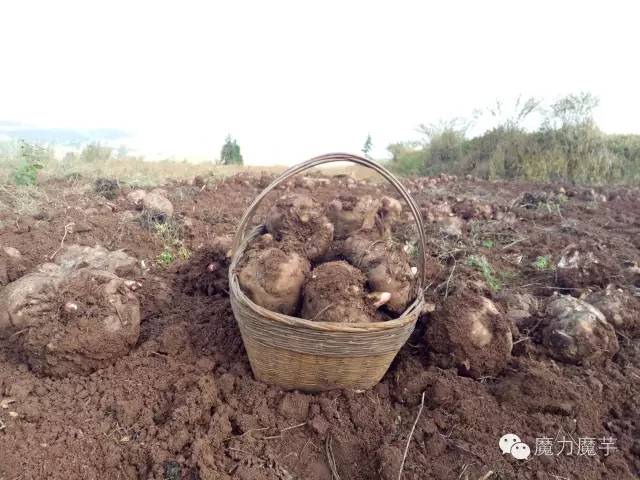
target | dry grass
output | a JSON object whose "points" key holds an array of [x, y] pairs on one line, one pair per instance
{"points": [[138, 172], [21, 200]]}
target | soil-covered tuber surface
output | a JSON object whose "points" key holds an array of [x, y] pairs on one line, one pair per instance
{"points": [[182, 403]]}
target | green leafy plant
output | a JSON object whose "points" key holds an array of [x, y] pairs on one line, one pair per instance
{"points": [[169, 233], [482, 265], [31, 161], [543, 262], [488, 243], [166, 257]]}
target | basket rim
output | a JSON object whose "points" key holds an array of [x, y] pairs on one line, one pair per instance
{"points": [[410, 315]]}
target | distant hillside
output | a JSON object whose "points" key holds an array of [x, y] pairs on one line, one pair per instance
{"points": [[71, 137]]}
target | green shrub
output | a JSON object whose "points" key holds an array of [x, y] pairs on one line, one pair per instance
{"points": [[407, 159], [31, 159], [567, 145]]}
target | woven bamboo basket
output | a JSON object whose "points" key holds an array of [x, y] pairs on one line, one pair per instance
{"points": [[295, 353]]}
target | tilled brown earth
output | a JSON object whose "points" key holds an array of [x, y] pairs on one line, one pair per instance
{"points": [[183, 403]]}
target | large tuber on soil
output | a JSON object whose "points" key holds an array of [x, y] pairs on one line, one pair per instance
{"points": [[334, 292], [578, 332], [620, 308], [93, 318], [74, 316], [351, 214], [299, 222], [273, 280], [386, 267], [470, 333]]}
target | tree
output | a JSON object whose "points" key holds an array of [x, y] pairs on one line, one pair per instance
{"points": [[367, 146], [230, 153]]}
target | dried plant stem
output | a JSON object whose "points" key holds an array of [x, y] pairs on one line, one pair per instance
{"points": [[331, 459], [406, 449]]}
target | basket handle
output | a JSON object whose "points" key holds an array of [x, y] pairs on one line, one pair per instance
{"points": [[245, 221]]}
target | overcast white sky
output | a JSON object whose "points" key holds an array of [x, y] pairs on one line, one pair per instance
{"points": [[291, 80]]}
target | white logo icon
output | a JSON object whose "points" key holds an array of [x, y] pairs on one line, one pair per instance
{"points": [[511, 443], [507, 441], [520, 451]]}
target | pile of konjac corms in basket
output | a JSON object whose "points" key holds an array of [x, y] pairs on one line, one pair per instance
{"points": [[333, 263]]}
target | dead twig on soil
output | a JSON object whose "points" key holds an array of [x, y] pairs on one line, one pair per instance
{"points": [[67, 230], [282, 430], [251, 430], [446, 289], [300, 453], [486, 475], [20, 332], [293, 426], [515, 242], [238, 450], [331, 459], [413, 428]]}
